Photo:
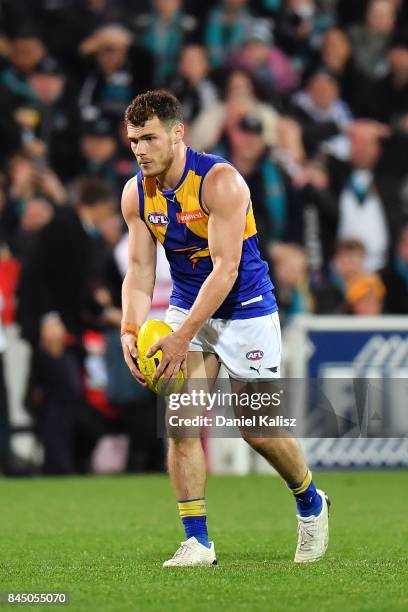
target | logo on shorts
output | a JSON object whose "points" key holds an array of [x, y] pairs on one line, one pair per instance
{"points": [[254, 355], [158, 219]]}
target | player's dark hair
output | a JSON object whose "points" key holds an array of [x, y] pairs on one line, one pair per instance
{"points": [[160, 103], [93, 191]]}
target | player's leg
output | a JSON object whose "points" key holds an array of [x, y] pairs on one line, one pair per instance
{"points": [[188, 474], [238, 346], [186, 461], [285, 455]]}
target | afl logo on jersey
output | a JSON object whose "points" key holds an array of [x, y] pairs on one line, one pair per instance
{"points": [[254, 355], [158, 219]]}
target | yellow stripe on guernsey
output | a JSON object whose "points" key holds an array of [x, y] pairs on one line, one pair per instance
{"points": [[301, 488], [195, 507], [187, 194]]}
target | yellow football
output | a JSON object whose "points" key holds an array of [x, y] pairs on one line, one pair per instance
{"points": [[150, 332]]}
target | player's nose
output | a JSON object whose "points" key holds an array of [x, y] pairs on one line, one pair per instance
{"points": [[140, 148]]}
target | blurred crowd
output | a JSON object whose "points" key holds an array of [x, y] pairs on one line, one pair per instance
{"points": [[307, 98]]}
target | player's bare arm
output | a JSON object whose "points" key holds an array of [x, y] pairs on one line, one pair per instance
{"points": [[138, 284], [225, 197]]}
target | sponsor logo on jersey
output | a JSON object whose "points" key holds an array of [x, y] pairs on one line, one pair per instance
{"points": [[254, 355], [158, 219], [190, 216]]}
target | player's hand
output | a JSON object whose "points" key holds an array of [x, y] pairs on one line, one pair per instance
{"points": [[130, 354], [175, 348]]}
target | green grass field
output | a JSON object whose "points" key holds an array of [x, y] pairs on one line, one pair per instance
{"points": [[103, 540]]}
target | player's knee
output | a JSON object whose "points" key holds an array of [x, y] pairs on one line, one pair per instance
{"points": [[183, 446]]}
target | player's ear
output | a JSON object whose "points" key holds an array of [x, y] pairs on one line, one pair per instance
{"points": [[178, 133]]}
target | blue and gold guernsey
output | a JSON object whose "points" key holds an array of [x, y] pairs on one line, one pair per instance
{"points": [[177, 219]]}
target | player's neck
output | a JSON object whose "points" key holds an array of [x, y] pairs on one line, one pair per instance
{"points": [[170, 178]]}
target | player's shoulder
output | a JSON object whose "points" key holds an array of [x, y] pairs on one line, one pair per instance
{"points": [[132, 186], [221, 179], [130, 196], [202, 163]]}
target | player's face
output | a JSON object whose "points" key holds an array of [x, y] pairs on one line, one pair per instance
{"points": [[153, 146]]}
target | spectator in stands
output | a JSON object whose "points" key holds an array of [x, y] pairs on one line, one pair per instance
{"points": [[299, 30], [26, 182], [322, 114], [387, 99], [312, 208], [21, 186], [395, 277], [336, 57], [291, 280], [313, 215], [240, 98], [266, 62], [26, 51], [370, 41], [193, 87], [113, 80], [346, 267], [56, 117], [163, 33], [289, 150], [68, 22], [365, 295], [98, 146], [335, 51], [226, 29], [255, 160], [37, 213], [369, 202], [248, 151], [57, 304]]}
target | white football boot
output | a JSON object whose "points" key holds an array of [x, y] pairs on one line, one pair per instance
{"points": [[313, 534], [191, 553]]}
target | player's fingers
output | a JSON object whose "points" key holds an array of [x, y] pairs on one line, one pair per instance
{"points": [[132, 347], [161, 368], [133, 350], [169, 376], [139, 377], [170, 371], [153, 349], [136, 373], [184, 368]]}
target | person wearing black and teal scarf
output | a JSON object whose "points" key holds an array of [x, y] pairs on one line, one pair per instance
{"points": [[226, 29], [163, 33], [247, 150]]}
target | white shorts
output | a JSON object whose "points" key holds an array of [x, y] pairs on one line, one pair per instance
{"points": [[248, 348]]}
